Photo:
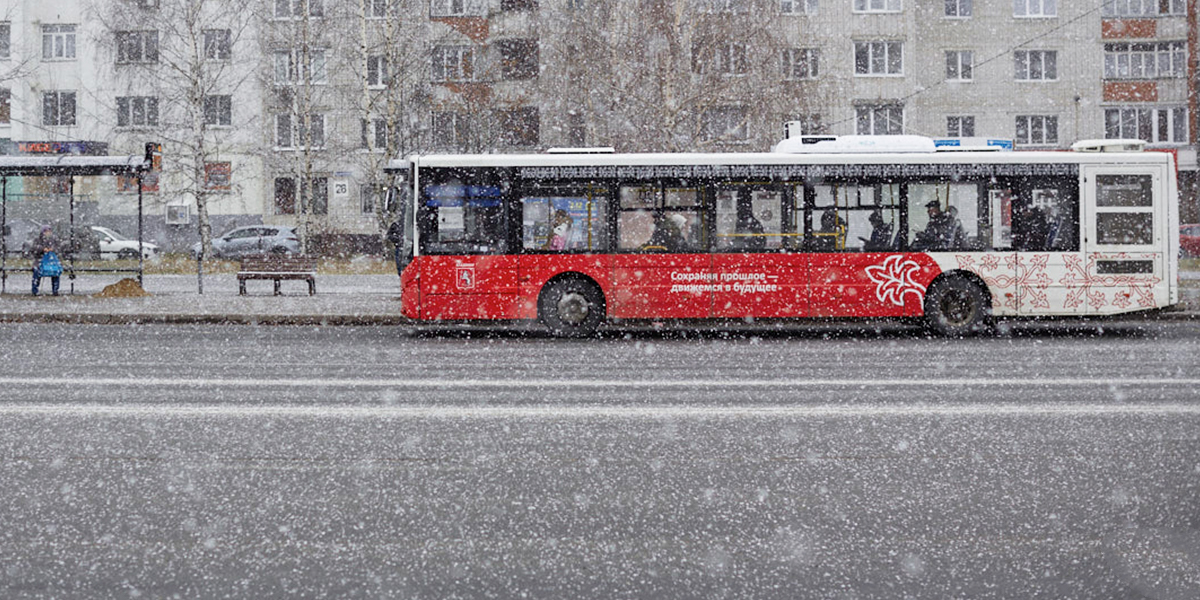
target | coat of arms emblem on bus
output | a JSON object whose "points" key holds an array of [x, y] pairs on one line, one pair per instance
{"points": [[465, 277], [894, 280]]}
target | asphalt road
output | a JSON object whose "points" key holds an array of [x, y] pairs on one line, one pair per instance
{"points": [[255, 462]]}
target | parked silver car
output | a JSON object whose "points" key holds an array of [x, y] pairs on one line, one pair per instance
{"points": [[114, 245], [255, 239]]}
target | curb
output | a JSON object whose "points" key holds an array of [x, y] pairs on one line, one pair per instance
{"points": [[204, 319], [398, 321]]}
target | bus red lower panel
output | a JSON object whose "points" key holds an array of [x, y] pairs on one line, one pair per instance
{"points": [[760, 285], [661, 286], [869, 285], [453, 307], [468, 287]]}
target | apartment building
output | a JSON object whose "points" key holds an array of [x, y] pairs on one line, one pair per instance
{"points": [[299, 103]]}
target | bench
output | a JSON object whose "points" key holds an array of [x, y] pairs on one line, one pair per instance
{"points": [[278, 268]]}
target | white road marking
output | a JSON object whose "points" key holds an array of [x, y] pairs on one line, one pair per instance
{"points": [[544, 384], [550, 412]]}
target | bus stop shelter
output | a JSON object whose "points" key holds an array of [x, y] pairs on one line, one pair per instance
{"points": [[72, 166]]}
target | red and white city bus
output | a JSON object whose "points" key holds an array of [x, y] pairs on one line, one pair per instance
{"points": [[846, 227]]}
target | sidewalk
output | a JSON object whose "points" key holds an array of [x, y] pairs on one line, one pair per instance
{"points": [[340, 300]]}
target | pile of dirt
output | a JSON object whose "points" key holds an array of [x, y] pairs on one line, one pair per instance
{"points": [[125, 288]]}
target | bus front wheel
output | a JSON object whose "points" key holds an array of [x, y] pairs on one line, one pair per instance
{"points": [[955, 307], [571, 306]]}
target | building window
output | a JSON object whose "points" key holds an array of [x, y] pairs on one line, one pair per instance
{"points": [[449, 130], [519, 126], [958, 8], [371, 196], [724, 59], [876, 6], [377, 71], [1131, 8], [1036, 65], [801, 63], [58, 42], [1155, 125], [798, 7], [452, 63], [217, 176], [879, 119], [458, 8], [724, 123], [377, 9], [878, 58], [518, 59], [290, 131], [287, 66], [510, 5], [5, 106], [218, 44], [286, 198], [58, 108], [137, 111], [723, 6], [1145, 60], [1172, 7], [960, 126], [375, 134], [576, 130], [137, 47], [959, 65], [294, 9], [218, 111], [1037, 129], [1035, 8], [5, 40]]}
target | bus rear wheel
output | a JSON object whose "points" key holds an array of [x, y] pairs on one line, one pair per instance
{"points": [[571, 307], [955, 307]]}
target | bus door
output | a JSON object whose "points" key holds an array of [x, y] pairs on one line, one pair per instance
{"points": [[662, 268], [1125, 262], [466, 272], [1044, 235], [752, 274]]}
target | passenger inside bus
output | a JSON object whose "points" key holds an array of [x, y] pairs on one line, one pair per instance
{"points": [[832, 235], [943, 231], [668, 233], [750, 230], [881, 234]]}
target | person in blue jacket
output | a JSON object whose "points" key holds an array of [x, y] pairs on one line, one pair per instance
{"points": [[42, 267]]}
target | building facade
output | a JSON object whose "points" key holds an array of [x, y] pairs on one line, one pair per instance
{"points": [[286, 111]]}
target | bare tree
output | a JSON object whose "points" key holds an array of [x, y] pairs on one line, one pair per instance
{"points": [[177, 79], [392, 91], [676, 75]]}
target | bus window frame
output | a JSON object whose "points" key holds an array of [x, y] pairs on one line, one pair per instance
{"points": [[525, 188]]}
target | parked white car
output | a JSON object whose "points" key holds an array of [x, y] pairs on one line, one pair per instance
{"points": [[114, 245]]}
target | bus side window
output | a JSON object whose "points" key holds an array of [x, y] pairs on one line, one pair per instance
{"points": [[1045, 216], [1125, 210], [462, 219], [565, 221], [635, 222], [660, 219], [749, 218], [944, 216]]}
